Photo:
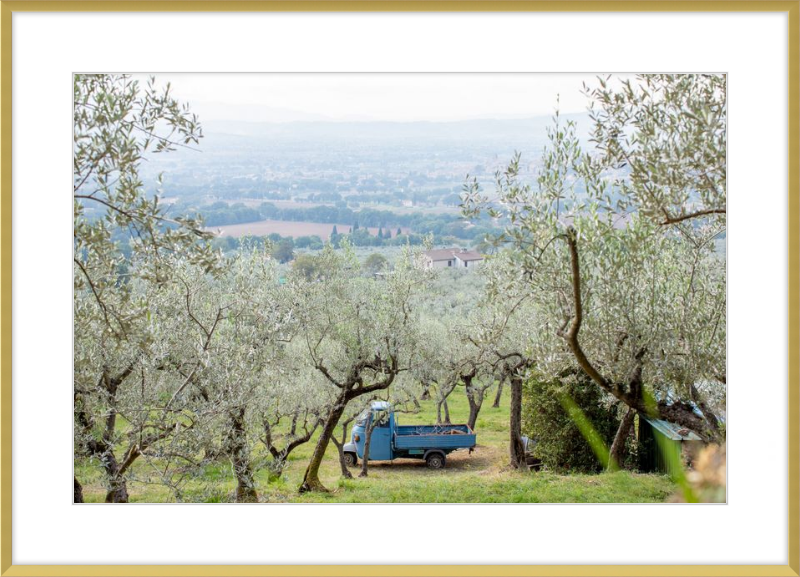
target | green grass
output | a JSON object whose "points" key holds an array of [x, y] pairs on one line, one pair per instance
{"points": [[480, 477]]}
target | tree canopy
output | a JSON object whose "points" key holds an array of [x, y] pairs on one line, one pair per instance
{"points": [[637, 305]]}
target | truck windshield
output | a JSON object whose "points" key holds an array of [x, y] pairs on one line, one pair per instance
{"points": [[362, 418]]}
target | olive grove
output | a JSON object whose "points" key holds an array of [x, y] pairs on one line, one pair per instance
{"points": [[188, 361], [619, 261]]}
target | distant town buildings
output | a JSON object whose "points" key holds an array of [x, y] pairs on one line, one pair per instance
{"points": [[452, 257]]}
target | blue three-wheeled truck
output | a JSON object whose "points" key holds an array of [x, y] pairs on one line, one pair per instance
{"points": [[391, 441]]}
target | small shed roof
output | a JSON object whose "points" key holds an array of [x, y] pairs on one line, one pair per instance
{"points": [[672, 431]]}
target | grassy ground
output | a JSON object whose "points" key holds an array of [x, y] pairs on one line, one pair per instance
{"points": [[481, 477]]}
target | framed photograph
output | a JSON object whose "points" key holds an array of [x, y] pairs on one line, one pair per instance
{"points": [[356, 284]]}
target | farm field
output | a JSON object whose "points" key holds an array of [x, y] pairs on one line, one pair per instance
{"points": [[427, 210], [285, 228], [480, 477], [255, 202]]}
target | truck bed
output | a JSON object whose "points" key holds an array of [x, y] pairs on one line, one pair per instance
{"points": [[410, 437]]}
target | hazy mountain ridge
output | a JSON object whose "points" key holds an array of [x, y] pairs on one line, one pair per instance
{"points": [[476, 129]]}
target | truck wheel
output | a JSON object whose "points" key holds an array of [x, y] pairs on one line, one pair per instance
{"points": [[350, 460], [435, 461]]}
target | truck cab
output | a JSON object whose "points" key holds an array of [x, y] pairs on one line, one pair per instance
{"points": [[391, 441]]}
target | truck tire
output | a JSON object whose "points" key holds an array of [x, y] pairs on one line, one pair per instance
{"points": [[350, 459], [435, 461]]}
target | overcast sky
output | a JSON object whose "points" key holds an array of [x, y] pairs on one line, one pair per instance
{"points": [[400, 97]]}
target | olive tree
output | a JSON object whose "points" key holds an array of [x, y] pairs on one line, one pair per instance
{"points": [[506, 326], [121, 236], [448, 360], [634, 304], [126, 391], [204, 377], [434, 357], [360, 334], [291, 407], [246, 379]]}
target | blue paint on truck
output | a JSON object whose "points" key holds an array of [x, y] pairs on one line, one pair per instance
{"points": [[392, 441]]}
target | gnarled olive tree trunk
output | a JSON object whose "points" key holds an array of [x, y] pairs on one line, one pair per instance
{"points": [[499, 395], [678, 412], [117, 490], [77, 495], [350, 388], [442, 404], [516, 447], [340, 448], [367, 443], [426, 392], [236, 446], [311, 481], [281, 455], [103, 448], [617, 453], [474, 398]]}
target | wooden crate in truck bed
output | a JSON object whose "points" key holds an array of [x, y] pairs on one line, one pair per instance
{"points": [[434, 437]]}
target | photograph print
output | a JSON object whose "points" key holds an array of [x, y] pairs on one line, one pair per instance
{"points": [[402, 288]]}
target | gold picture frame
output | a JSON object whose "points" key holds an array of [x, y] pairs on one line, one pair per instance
{"points": [[789, 7]]}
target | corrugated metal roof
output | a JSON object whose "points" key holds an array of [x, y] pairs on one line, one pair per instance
{"points": [[672, 431], [673, 399]]}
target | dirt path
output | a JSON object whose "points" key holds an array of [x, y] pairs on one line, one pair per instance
{"points": [[483, 458]]}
